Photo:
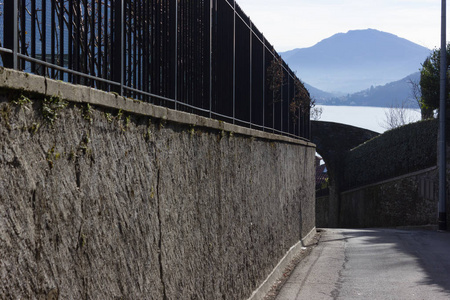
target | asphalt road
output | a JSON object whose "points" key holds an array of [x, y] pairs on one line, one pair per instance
{"points": [[373, 264]]}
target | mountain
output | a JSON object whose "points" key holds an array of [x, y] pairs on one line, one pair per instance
{"points": [[394, 94], [353, 61]]}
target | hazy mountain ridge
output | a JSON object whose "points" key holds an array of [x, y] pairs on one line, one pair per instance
{"points": [[356, 60]]}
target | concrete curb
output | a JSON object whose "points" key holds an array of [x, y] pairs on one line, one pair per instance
{"points": [[12, 79], [277, 272]]}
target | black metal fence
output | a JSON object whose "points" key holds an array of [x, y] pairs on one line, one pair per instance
{"points": [[203, 56]]}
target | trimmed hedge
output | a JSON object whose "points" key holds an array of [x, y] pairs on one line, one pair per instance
{"points": [[399, 151]]}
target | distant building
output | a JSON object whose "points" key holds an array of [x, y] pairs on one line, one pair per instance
{"points": [[321, 174]]}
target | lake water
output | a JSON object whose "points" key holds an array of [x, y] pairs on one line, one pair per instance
{"points": [[372, 118]]}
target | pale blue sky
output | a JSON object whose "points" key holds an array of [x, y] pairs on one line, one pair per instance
{"points": [[289, 24]]}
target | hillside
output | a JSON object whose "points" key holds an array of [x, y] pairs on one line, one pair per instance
{"points": [[391, 94], [356, 60]]}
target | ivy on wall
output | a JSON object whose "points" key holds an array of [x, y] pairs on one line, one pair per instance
{"points": [[400, 151]]}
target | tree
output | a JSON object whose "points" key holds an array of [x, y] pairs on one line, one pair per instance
{"points": [[398, 115], [301, 102], [430, 81]]}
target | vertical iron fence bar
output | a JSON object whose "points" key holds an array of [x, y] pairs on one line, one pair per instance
{"points": [[209, 66], [211, 7], [85, 41], [211, 26], [165, 42], [70, 39], [154, 49], [92, 41], [61, 38], [100, 49], [52, 36], [200, 91], [23, 33], [33, 34], [77, 9], [135, 44], [146, 42], [281, 96], [273, 110], [106, 40], [142, 49], [128, 46], [299, 122], [117, 63], [264, 85], [10, 32], [138, 10], [234, 61], [122, 45], [273, 106], [44, 37], [251, 70], [288, 102], [175, 57], [188, 46], [197, 63], [192, 48], [129, 33], [309, 123]]}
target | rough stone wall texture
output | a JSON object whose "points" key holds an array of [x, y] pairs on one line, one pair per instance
{"points": [[406, 201], [322, 211], [106, 205]]}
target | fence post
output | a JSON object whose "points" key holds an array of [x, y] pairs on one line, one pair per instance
{"points": [[117, 66], [11, 33]]}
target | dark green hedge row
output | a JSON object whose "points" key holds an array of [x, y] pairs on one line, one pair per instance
{"points": [[396, 152]]}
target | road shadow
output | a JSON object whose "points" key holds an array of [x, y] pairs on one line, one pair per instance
{"points": [[430, 248]]}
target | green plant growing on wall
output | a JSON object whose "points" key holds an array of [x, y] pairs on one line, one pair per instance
{"points": [[87, 113], [148, 132], [191, 130], [127, 122], [109, 117], [34, 127], [22, 100], [5, 114], [162, 123], [84, 143], [72, 155], [119, 115], [52, 156], [152, 193], [51, 107]]}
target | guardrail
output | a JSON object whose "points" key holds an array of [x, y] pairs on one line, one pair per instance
{"points": [[203, 56]]}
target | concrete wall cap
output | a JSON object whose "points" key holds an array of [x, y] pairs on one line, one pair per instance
{"points": [[13, 79]]}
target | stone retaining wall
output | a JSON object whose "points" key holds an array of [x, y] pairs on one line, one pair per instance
{"points": [[100, 202], [408, 200]]}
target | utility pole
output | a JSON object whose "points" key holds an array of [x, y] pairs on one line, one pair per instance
{"points": [[441, 143]]}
